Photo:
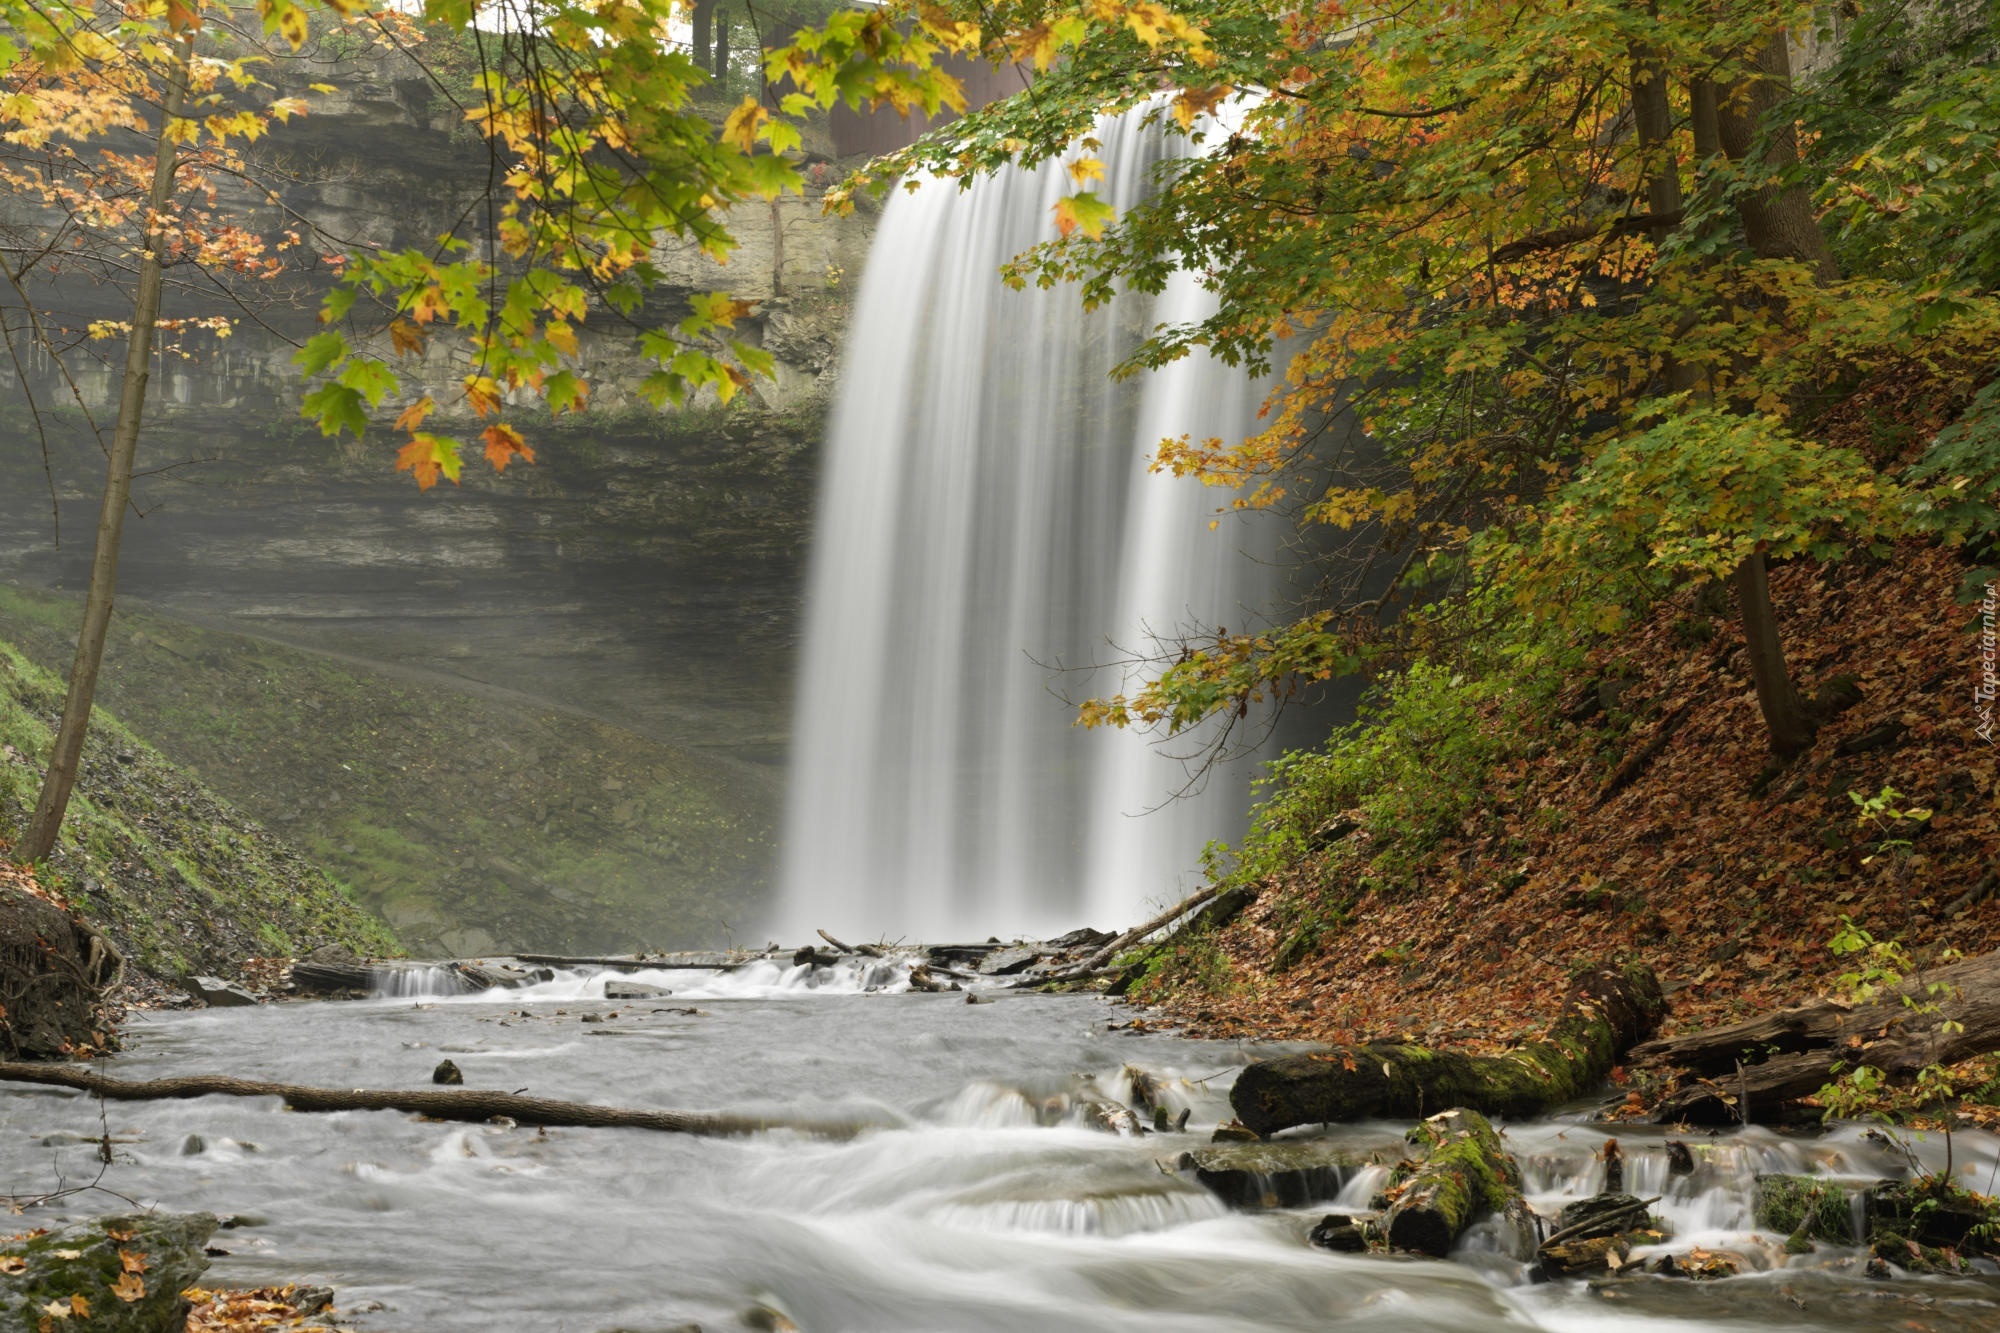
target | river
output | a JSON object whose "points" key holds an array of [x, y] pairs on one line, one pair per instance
{"points": [[975, 1200]]}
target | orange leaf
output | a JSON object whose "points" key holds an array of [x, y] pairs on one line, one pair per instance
{"points": [[413, 415], [129, 1287], [406, 337], [503, 443], [483, 393], [130, 1262]]}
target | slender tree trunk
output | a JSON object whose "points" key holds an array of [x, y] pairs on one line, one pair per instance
{"points": [[1778, 221], [66, 757], [721, 49], [1785, 715], [704, 22], [1702, 119], [1656, 132]]}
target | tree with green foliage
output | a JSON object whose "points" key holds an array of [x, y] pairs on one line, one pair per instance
{"points": [[1566, 265], [129, 136]]}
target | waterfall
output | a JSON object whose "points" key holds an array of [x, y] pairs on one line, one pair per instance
{"points": [[987, 531]]}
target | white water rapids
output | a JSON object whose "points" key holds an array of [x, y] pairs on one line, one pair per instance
{"points": [[987, 530], [977, 1199]]}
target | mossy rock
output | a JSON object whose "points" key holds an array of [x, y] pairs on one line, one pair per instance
{"points": [[109, 1275], [1805, 1209]]}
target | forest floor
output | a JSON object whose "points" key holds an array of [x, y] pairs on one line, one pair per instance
{"points": [[1726, 873]]}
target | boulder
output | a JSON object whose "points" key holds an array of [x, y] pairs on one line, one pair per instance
{"points": [[1007, 962], [126, 1276], [1284, 1173], [633, 990], [219, 994], [1340, 1233]]}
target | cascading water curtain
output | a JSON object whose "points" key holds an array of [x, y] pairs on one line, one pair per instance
{"points": [[987, 530]]}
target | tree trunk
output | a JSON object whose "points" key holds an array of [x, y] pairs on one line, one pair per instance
{"points": [[1464, 1175], [1778, 221], [1655, 118], [1774, 1060], [721, 50], [66, 755], [441, 1104], [1608, 1011], [703, 21], [1786, 717]]}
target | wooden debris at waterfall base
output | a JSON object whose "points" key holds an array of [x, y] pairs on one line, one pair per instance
{"points": [[1609, 1009], [1760, 1070], [475, 1106]]}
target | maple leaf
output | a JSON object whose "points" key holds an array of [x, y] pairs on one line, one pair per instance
{"points": [[503, 444], [428, 456], [406, 337], [130, 1262], [741, 127], [13, 1263], [482, 392], [561, 337], [129, 1287], [413, 416], [1083, 212]]}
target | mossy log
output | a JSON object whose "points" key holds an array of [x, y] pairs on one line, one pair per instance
{"points": [[1772, 1061], [468, 1104], [1464, 1174], [1608, 1011]]}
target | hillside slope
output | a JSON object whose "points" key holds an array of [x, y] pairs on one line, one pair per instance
{"points": [[180, 880], [470, 819]]}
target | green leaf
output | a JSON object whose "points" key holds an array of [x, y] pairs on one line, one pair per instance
{"points": [[370, 378], [336, 407], [321, 351]]}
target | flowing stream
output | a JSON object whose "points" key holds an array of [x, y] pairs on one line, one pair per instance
{"points": [[976, 1197]]}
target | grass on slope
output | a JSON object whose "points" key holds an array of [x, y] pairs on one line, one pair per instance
{"points": [[470, 820], [181, 881]]}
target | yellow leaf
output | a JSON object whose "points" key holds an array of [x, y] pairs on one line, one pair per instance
{"points": [[1086, 169], [741, 127], [129, 1287], [561, 337]]}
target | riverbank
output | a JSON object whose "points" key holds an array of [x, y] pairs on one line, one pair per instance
{"points": [[1440, 877]]}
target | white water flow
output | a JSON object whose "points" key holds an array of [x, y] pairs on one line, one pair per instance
{"points": [[987, 531], [994, 1181]]}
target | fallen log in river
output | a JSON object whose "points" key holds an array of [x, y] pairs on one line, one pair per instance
{"points": [[1607, 1012], [455, 1104], [1757, 1070]]}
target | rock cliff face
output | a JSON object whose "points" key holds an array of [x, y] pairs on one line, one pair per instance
{"points": [[644, 574]]}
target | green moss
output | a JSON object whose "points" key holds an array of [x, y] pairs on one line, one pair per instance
{"points": [[1805, 1209], [181, 881], [467, 822]]}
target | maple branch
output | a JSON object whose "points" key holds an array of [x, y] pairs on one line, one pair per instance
{"points": [[1577, 233]]}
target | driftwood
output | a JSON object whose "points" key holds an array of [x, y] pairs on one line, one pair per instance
{"points": [[867, 950], [1464, 1175], [1094, 964], [455, 1104], [672, 963], [1773, 1061], [1607, 1012]]}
